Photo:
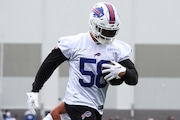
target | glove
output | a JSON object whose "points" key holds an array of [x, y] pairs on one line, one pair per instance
{"points": [[32, 101], [112, 70]]}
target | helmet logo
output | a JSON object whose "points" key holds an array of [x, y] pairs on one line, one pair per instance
{"points": [[98, 12]]}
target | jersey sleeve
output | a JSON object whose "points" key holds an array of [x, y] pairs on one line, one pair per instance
{"points": [[125, 51], [66, 46]]}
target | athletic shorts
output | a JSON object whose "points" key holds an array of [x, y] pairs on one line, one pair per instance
{"points": [[77, 112]]}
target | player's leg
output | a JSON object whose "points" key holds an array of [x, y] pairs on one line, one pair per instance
{"points": [[48, 117], [59, 109], [63, 116]]}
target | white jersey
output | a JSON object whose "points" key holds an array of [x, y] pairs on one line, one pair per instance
{"points": [[85, 85]]}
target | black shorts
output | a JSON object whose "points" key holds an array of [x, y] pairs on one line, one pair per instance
{"points": [[77, 112]]}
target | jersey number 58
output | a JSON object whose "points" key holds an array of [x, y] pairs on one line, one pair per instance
{"points": [[93, 79]]}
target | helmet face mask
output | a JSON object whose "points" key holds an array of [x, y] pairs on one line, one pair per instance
{"points": [[104, 22], [106, 32]]}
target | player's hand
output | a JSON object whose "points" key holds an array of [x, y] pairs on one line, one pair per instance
{"points": [[32, 101], [112, 70]]}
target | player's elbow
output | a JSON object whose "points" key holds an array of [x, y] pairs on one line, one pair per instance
{"points": [[132, 81], [131, 77]]}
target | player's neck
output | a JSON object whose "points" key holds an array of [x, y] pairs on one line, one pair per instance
{"points": [[93, 38]]}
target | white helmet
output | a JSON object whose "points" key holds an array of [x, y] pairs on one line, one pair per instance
{"points": [[104, 22]]}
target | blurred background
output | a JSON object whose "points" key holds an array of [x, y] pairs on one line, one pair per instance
{"points": [[29, 30]]}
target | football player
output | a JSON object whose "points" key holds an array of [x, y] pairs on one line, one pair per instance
{"points": [[87, 53]]}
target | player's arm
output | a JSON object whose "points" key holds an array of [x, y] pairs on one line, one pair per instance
{"points": [[122, 71], [131, 75], [52, 61]]}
